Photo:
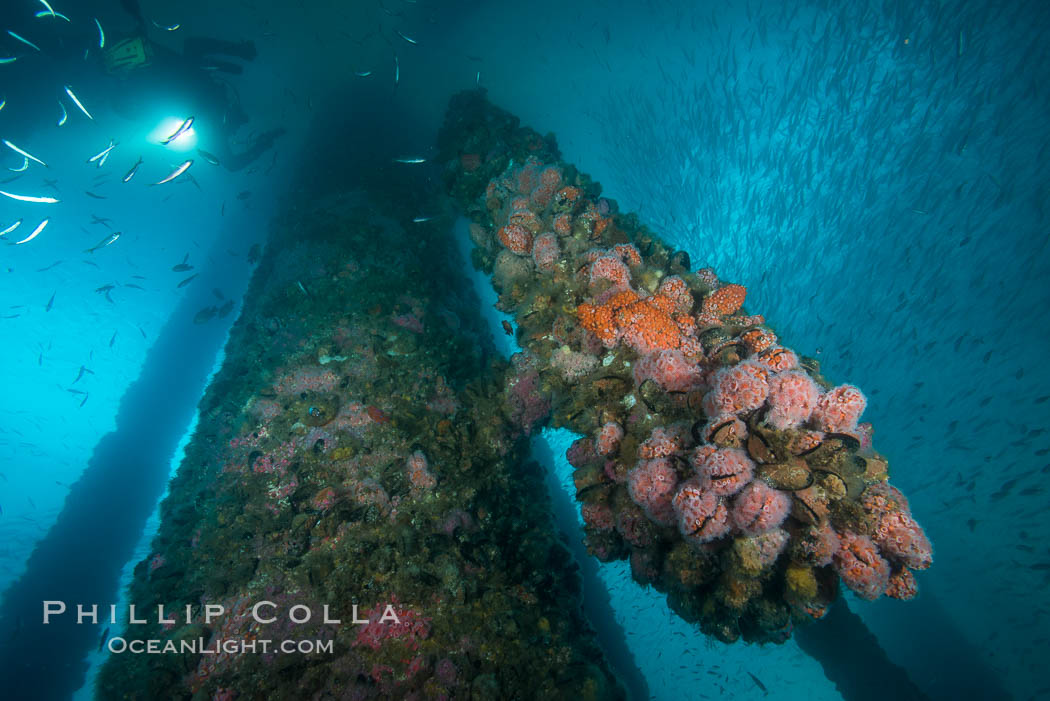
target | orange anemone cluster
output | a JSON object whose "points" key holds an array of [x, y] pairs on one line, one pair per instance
{"points": [[646, 324], [725, 300]]}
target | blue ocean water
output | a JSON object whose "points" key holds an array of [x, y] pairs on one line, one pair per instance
{"points": [[874, 173]]}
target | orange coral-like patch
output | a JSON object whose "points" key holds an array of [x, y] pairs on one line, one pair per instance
{"points": [[646, 324], [758, 340], [516, 238], [568, 196], [725, 300]]}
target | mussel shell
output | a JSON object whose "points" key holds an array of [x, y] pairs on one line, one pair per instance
{"points": [[831, 450], [841, 486], [808, 506], [810, 365], [713, 338], [588, 478], [697, 431], [655, 397], [694, 401], [680, 259], [809, 451], [729, 353], [833, 485], [724, 435], [855, 486], [758, 448], [787, 476], [876, 468], [612, 386], [849, 442], [644, 244]]}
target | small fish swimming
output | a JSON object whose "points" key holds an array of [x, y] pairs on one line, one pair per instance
{"points": [[208, 157], [25, 165], [205, 315], [176, 173], [103, 243], [225, 309], [76, 101], [759, 683], [112, 339], [50, 10], [11, 228], [182, 268], [104, 221], [103, 153], [56, 15], [65, 115], [186, 281], [51, 302], [29, 198], [183, 128], [82, 372], [362, 74], [36, 232], [92, 195], [20, 152], [23, 40], [101, 34], [397, 71], [409, 39], [134, 169], [169, 28], [410, 160], [420, 220]]}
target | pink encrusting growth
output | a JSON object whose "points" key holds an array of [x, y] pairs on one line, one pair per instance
{"points": [[792, 397], [417, 469], [737, 389], [651, 486], [610, 267], [545, 251], [609, 438], [725, 471], [404, 627], [760, 508], [668, 368], [858, 563], [702, 516], [839, 409]]}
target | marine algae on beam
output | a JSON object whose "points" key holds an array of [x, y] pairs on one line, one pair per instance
{"points": [[351, 452]]}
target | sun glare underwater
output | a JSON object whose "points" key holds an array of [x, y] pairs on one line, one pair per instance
{"points": [[406, 349]]}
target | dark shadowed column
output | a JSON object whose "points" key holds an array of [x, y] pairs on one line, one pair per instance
{"points": [[81, 557]]}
